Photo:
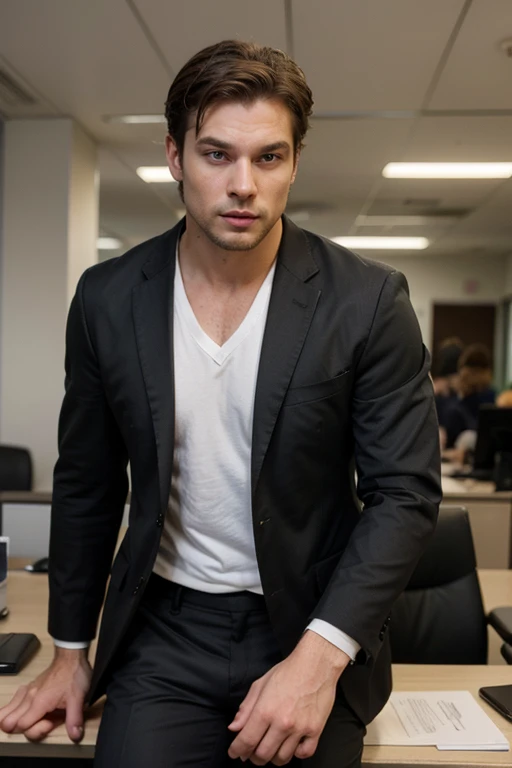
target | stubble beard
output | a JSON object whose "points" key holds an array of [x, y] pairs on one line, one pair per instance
{"points": [[236, 243]]}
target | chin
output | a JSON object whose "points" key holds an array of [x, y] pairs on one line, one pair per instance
{"points": [[238, 243]]}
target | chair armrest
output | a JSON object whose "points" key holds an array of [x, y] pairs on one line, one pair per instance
{"points": [[500, 619], [506, 652]]}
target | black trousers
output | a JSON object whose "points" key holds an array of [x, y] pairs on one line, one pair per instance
{"points": [[186, 664]]}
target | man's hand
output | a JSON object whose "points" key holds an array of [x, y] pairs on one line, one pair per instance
{"points": [[55, 697], [285, 711]]}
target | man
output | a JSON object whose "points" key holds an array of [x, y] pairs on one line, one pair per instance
{"points": [[239, 364]]}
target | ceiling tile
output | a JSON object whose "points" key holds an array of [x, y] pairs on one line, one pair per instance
{"points": [[184, 27], [87, 57], [370, 54], [478, 75]]}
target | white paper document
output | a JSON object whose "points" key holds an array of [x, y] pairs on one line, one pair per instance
{"points": [[445, 719]]}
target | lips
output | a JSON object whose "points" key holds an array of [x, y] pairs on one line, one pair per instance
{"points": [[240, 219]]}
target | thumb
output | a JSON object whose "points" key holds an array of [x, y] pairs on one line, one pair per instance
{"points": [[75, 718], [246, 707]]}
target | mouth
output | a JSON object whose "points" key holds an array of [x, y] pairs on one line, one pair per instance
{"points": [[240, 218]]}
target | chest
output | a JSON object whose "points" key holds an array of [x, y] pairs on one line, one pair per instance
{"points": [[221, 312]]}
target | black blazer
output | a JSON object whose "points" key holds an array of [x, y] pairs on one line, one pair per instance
{"points": [[343, 375]]}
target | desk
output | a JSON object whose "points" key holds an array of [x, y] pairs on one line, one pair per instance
{"points": [[490, 514], [28, 598], [408, 677]]}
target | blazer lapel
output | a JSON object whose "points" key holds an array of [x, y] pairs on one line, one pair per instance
{"points": [[153, 318], [291, 309]]}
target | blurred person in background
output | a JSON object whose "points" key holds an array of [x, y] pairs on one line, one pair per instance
{"points": [[473, 390], [504, 399], [446, 378]]}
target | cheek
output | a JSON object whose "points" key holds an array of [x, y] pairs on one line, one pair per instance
{"points": [[281, 190]]}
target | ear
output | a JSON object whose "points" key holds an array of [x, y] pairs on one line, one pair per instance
{"points": [[295, 166], [173, 158]]}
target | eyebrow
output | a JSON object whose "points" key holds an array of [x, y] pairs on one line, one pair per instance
{"points": [[211, 141]]}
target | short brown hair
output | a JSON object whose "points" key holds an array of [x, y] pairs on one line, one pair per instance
{"points": [[475, 371], [476, 356], [241, 72]]}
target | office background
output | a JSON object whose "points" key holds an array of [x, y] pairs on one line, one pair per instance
{"points": [[393, 80]]}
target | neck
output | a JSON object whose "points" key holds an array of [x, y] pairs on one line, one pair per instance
{"points": [[202, 260]]}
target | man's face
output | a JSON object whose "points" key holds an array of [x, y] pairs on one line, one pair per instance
{"points": [[237, 172]]}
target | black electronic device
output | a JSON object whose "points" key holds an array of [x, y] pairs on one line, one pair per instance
{"points": [[499, 697], [38, 566], [16, 648], [493, 450], [494, 435]]}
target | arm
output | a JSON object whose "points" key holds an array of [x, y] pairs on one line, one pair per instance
{"points": [[90, 486], [398, 465]]}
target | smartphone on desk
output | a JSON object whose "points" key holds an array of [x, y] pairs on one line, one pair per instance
{"points": [[499, 697]]}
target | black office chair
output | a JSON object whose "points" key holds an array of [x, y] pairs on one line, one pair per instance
{"points": [[15, 469], [506, 652], [440, 617], [501, 620]]}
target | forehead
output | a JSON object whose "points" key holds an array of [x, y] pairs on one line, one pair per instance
{"points": [[260, 121]]}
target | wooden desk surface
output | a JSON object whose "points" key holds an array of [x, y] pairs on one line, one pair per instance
{"points": [[28, 599]]}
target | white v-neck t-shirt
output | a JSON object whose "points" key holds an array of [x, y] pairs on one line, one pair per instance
{"points": [[208, 542]]}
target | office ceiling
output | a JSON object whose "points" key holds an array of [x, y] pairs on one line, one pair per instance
{"points": [[427, 79]]}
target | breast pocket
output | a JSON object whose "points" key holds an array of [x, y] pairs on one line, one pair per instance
{"points": [[317, 391]]}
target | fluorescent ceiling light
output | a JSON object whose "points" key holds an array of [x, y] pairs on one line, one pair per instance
{"points": [[155, 174], [447, 171], [402, 221], [299, 216], [108, 243], [384, 243], [134, 119]]}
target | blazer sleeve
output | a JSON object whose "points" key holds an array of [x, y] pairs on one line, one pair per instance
{"points": [[396, 445], [89, 490]]}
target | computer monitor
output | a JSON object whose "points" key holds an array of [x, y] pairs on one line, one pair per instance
{"points": [[494, 435]]}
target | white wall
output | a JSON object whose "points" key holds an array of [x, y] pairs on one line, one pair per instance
{"points": [[48, 238], [438, 279]]}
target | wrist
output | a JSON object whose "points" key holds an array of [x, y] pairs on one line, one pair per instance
{"points": [[314, 646], [70, 655]]}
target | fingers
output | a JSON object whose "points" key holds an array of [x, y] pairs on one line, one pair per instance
{"points": [[307, 747], [247, 706], [75, 718], [245, 744], [45, 726], [30, 711], [275, 748], [12, 705]]}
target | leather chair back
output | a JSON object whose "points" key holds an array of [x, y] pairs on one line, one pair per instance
{"points": [[440, 617], [15, 469]]}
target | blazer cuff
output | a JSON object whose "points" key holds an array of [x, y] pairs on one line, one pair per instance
{"points": [[70, 645], [335, 636]]}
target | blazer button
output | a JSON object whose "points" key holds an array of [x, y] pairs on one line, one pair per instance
{"points": [[160, 520], [265, 520], [139, 585]]}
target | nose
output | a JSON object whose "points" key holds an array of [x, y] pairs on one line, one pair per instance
{"points": [[241, 179]]}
